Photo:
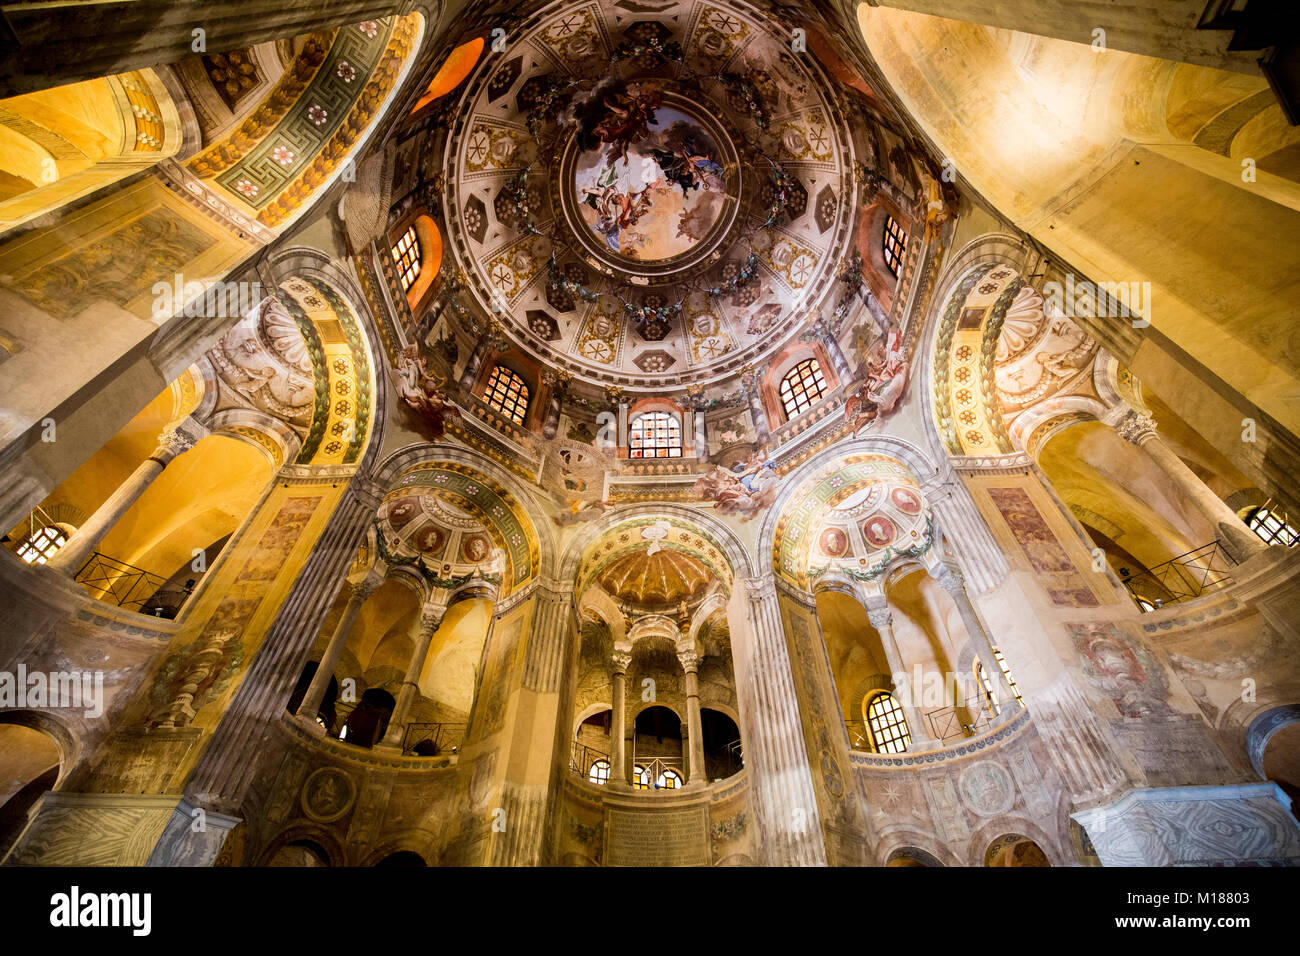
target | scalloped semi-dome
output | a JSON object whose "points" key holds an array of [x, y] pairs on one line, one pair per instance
{"points": [[659, 577]]}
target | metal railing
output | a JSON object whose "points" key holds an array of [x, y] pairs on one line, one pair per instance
{"points": [[652, 769], [433, 740], [127, 586], [1182, 578], [958, 721], [581, 757]]}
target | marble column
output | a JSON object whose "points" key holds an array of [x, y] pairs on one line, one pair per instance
{"points": [[776, 751], [1237, 539], [749, 385], [476, 359], [690, 662], [83, 542], [557, 382], [881, 619], [951, 581], [701, 437], [618, 769], [839, 363], [359, 593], [430, 618]]}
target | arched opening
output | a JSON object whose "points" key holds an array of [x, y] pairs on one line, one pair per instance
{"points": [[367, 723], [1281, 763], [722, 751], [30, 762], [591, 747], [1013, 849], [911, 856], [657, 750], [300, 853], [404, 860]]}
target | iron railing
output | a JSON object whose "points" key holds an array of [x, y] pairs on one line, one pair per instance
{"points": [[581, 758], [652, 769], [127, 586], [957, 721], [433, 740], [1180, 579]]}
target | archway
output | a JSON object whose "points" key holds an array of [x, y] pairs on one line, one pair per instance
{"points": [[1013, 849], [31, 760]]}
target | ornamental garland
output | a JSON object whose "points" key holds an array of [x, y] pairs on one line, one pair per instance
{"points": [[890, 555], [416, 562]]}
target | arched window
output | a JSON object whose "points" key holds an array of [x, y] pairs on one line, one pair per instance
{"points": [[507, 393], [669, 780], [655, 435], [894, 243], [640, 778], [802, 388], [887, 724], [406, 255], [1272, 527], [1006, 672], [41, 544], [599, 772]]}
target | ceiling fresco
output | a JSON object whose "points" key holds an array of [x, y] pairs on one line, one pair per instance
{"points": [[625, 188]]}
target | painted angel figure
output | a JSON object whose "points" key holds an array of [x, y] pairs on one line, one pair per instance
{"points": [[628, 115], [884, 386], [746, 490], [423, 391]]}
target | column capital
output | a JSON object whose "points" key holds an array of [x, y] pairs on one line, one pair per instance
{"points": [[361, 590], [431, 617], [879, 616], [690, 661], [177, 439], [758, 588], [1135, 427], [621, 660], [951, 580]]}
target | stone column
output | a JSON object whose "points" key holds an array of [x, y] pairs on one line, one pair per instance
{"points": [[557, 382], [701, 437], [320, 681], [430, 617], [776, 752], [618, 769], [880, 618], [749, 386], [951, 581], [472, 367], [83, 542], [1237, 539], [839, 363], [694, 725]]}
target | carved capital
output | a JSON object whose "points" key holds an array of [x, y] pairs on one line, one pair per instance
{"points": [[361, 590], [951, 581], [879, 616], [690, 661], [620, 660], [1135, 427], [176, 440]]}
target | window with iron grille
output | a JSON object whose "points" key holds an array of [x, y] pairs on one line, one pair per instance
{"points": [[599, 772], [507, 393], [406, 255], [41, 545], [803, 387], [887, 724], [655, 435], [1006, 672], [1272, 527], [895, 242]]}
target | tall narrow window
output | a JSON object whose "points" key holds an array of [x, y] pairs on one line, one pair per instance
{"points": [[655, 435], [507, 393], [1006, 672], [640, 778], [406, 256], [802, 388], [42, 544], [895, 241], [887, 724]]}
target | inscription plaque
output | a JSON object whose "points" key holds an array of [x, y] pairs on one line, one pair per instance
{"points": [[657, 837]]}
